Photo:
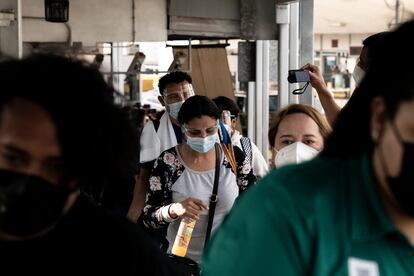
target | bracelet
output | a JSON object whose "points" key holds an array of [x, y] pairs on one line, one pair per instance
{"points": [[168, 211]]}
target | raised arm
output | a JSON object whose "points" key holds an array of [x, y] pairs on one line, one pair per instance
{"points": [[325, 96]]}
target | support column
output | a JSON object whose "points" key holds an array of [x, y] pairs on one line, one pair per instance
{"points": [[294, 48], [11, 43], [283, 19], [251, 111], [258, 94], [265, 98], [306, 43]]}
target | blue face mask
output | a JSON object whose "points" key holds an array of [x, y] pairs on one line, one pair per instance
{"points": [[202, 145], [174, 109]]}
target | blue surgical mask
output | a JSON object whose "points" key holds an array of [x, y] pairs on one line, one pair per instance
{"points": [[202, 145], [174, 109]]}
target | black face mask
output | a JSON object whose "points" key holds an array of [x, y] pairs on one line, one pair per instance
{"points": [[29, 204], [402, 185]]}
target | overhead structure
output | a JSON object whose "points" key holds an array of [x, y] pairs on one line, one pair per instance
{"points": [[198, 19]]}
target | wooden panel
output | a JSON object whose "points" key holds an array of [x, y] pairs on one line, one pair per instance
{"points": [[210, 71], [196, 74], [215, 72]]}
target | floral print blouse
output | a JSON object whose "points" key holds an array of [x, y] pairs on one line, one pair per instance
{"points": [[167, 170]]}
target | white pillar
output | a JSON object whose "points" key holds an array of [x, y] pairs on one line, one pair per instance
{"points": [[251, 111], [283, 19], [306, 43], [258, 94], [294, 47], [265, 98], [11, 43]]}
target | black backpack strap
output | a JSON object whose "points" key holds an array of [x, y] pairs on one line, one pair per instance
{"points": [[213, 197], [247, 149]]}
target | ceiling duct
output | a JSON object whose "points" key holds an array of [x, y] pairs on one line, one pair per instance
{"points": [[217, 19], [200, 19]]}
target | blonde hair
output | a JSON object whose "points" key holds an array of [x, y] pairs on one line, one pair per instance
{"points": [[324, 127]]}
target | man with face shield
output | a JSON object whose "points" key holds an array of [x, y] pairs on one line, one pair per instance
{"points": [[350, 211], [160, 134], [52, 147]]}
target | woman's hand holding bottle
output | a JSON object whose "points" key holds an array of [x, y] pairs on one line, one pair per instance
{"points": [[189, 207]]}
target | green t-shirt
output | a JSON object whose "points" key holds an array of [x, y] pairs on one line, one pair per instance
{"points": [[323, 217]]}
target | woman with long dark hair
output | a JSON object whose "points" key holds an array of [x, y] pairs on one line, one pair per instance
{"points": [[351, 210], [181, 182]]}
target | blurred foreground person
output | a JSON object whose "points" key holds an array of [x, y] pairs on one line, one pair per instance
{"points": [[52, 146], [349, 211]]}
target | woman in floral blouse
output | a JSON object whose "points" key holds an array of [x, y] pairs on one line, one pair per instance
{"points": [[182, 178]]}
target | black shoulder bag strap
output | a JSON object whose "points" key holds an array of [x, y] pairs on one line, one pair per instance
{"points": [[213, 197]]}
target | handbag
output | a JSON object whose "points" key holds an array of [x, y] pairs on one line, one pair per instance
{"points": [[186, 266]]}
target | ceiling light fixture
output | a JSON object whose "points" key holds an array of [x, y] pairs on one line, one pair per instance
{"points": [[337, 24]]}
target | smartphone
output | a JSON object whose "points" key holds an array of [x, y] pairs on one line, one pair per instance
{"points": [[298, 75]]}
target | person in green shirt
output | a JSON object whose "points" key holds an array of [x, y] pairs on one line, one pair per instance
{"points": [[351, 210]]}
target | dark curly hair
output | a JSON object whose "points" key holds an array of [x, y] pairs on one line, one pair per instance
{"points": [[173, 77], [197, 106], [95, 136], [225, 103]]}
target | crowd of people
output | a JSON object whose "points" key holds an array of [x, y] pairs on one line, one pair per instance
{"points": [[91, 187]]}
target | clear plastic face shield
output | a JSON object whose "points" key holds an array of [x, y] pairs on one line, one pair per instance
{"points": [[201, 132], [180, 93], [226, 117]]}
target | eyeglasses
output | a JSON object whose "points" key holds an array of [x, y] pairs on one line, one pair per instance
{"points": [[183, 94], [198, 132], [177, 97]]}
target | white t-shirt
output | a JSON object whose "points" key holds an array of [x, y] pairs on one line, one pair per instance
{"points": [[173, 181], [200, 185]]}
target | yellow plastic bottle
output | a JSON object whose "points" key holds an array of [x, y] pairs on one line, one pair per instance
{"points": [[182, 240]]}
